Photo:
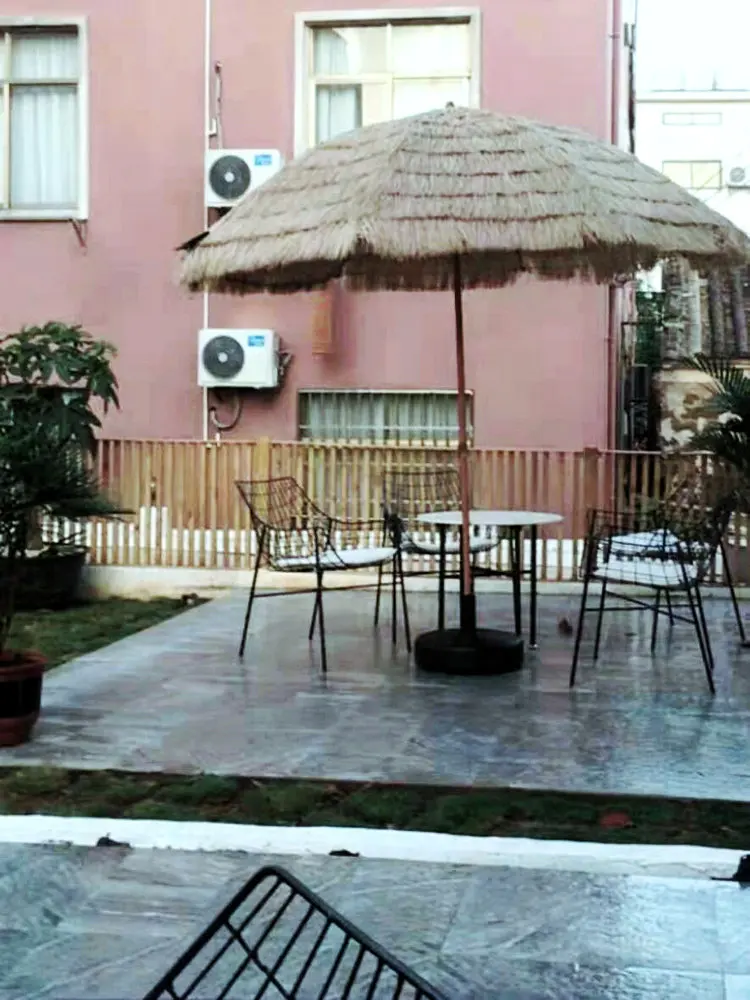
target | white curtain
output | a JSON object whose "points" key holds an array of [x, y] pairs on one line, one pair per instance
{"points": [[330, 52], [375, 417], [431, 50], [44, 121], [412, 97], [338, 109]]}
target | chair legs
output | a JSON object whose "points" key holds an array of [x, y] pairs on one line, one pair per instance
{"points": [[579, 631], [655, 620], [377, 596], [404, 604], [599, 620], [695, 603], [394, 601], [669, 608], [397, 582], [250, 600], [697, 615], [732, 591], [318, 619]]}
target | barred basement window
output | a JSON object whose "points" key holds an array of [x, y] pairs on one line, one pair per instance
{"points": [[372, 417]]}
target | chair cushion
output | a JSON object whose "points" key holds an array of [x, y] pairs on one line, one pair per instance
{"points": [[338, 559], [425, 546], [656, 542], [664, 574]]}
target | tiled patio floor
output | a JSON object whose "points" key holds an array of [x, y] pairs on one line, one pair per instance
{"points": [[177, 698], [100, 924]]}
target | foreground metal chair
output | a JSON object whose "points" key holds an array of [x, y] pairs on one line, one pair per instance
{"points": [[278, 940], [671, 560], [407, 493], [296, 536]]}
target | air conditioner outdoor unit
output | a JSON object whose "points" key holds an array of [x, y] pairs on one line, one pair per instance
{"points": [[236, 359], [738, 177], [231, 173]]}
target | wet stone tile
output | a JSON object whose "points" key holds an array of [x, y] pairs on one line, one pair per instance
{"points": [[589, 920], [177, 698], [490, 977]]}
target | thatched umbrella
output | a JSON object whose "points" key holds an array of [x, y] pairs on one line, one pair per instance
{"points": [[457, 198]]}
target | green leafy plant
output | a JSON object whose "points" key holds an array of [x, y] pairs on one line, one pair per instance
{"points": [[61, 375], [727, 436], [38, 477], [51, 378]]}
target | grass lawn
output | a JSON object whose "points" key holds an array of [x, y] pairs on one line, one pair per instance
{"points": [[479, 812], [63, 635]]}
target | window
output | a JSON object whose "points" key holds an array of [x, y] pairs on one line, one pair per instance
{"points": [[692, 118], [695, 175], [40, 120], [371, 417], [360, 73]]}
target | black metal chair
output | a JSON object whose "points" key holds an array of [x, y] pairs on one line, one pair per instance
{"points": [[297, 536], [278, 940], [407, 494], [692, 496], [671, 559]]}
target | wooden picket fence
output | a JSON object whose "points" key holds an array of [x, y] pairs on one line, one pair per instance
{"points": [[186, 511]]}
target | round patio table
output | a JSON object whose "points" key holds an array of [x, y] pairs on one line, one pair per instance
{"points": [[515, 522]]}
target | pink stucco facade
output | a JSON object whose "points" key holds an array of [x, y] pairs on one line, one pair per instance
{"points": [[538, 355]]}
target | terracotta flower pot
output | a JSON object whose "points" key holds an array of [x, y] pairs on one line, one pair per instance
{"points": [[21, 676]]}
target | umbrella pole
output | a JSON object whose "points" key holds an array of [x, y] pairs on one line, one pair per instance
{"points": [[468, 608]]}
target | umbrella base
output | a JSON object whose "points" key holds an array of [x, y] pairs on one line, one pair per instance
{"points": [[481, 651]]}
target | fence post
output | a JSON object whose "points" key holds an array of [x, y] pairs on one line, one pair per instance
{"points": [[591, 457], [262, 459]]}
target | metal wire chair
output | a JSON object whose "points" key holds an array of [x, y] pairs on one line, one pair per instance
{"points": [[407, 493], [692, 495], [278, 940], [295, 535], [670, 558]]}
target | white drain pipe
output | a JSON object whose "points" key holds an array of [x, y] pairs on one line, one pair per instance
{"points": [[208, 28]]}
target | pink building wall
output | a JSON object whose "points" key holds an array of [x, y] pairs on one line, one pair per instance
{"points": [[537, 354]]}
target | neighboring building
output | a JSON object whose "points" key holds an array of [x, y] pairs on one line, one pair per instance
{"points": [[701, 140], [102, 156], [693, 124]]}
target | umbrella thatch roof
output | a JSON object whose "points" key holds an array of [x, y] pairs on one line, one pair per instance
{"points": [[389, 206]]}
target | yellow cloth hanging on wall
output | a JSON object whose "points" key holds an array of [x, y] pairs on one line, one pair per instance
{"points": [[324, 319]]}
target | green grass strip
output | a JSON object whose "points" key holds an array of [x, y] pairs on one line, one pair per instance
{"points": [[473, 811]]}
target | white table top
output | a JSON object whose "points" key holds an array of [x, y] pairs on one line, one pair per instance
{"points": [[492, 518]]}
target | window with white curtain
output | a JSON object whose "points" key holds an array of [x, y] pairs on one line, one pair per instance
{"points": [[381, 417], [368, 72], [40, 128]]}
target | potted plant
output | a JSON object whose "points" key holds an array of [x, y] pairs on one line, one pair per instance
{"points": [[726, 437], [59, 373], [42, 473]]}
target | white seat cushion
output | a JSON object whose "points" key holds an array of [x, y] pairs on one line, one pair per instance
{"points": [[655, 540], [452, 548], [338, 559], [665, 574], [650, 543]]}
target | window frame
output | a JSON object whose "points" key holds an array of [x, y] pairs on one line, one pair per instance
{"points": [[687, 119], [306, 21], [409, 442], [81, 210], [692, 163]]}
